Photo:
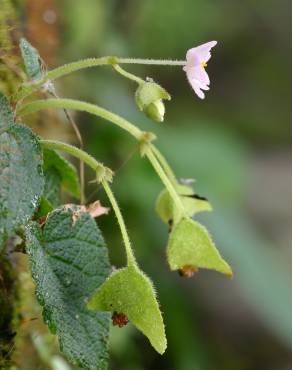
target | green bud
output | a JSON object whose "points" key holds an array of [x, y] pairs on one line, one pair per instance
{"points": [[156, 111], [149, 98]]}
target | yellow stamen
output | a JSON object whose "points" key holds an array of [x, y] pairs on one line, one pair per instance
{"points": [[204, 64]]}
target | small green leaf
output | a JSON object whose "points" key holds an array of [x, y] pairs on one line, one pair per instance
{"points": [[44, 208], [60, 172], [191, 245], [31, 59], [167, 211], [131, 292], [21, 178], [69, 261], [52, 190], [6, 112]]}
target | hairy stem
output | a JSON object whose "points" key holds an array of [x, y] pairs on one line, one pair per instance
{"points": [[169, 186], [108, 60], [129, 252], [81, 106], [128, 75], [114, 118], [166, 167], [66, 69], [96, 166], [74, 151], [157, 62]]}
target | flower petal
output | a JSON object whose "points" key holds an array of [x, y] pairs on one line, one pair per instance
{"points": [[193, 58], [199, 79], [200, 54], [200, 93], [204, 87], [200, 74], [197, 88], [194, 68]]}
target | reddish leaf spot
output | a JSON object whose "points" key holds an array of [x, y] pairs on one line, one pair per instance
{"points": [[188, 271], [119, 319], [42, 220]]}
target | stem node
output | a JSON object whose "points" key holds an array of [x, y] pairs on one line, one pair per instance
{"points": [[145, 141]]}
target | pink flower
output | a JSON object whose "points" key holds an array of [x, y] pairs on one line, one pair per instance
{"points": [[197, 59]]}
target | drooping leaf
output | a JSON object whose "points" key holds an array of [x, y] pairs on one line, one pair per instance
{"points": [[21, 178], [61, 172], [190, 245], [130, 292], [6, 112], [69, 261], [31, 59], [193, 204]]}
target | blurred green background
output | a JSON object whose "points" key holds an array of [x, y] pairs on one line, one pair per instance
{"points": [[236, 144]]}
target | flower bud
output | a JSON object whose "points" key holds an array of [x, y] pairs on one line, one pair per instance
{"points": [[149, 98], [156, 111]]}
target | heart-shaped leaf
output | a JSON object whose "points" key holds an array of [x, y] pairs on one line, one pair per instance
{"points": [[193, 204], [130, 292], [190, 246], [69, 261], [21, 178]]}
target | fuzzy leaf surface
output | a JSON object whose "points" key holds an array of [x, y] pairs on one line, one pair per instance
{"points": [[190, 244], [149, 92], [6, 112], [69, 261], [21, 178], [130, 291], [31, 59]]}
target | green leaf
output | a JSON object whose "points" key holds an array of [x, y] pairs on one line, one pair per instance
{"points": [[131, 292], [31, 59], [60, 172], [21, 178], [190, 245], [193, 204], [69, 261], [6, 112], [44, 208], [52, 191]]}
